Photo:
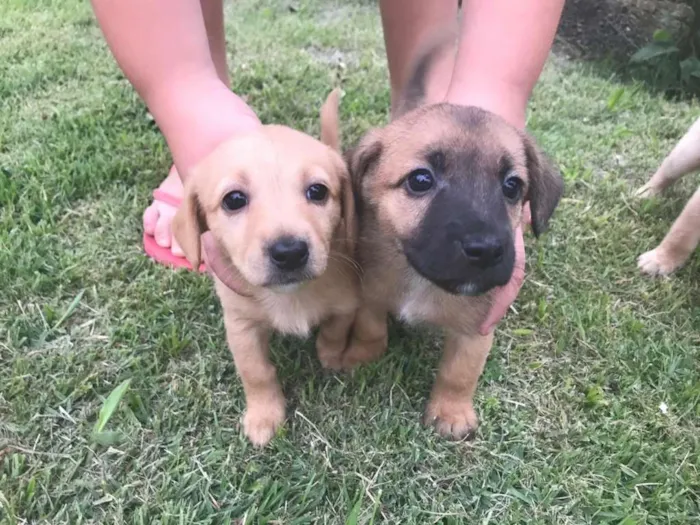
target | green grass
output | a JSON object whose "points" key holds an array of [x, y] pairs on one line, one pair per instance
{"points": [[571, 427]]}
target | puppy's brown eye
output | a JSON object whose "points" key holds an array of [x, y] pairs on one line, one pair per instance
{"points": [[512, 188], [317, 193], [420, 181], [234, 201]]}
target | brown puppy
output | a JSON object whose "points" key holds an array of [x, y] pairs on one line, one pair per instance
{"points": [[684, 235], [441, 190], [279, 204]]}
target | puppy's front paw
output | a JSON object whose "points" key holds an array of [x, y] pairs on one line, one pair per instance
{"points": [[330, 353], [650, 189], [451, 418], [261, 421], [361, 352], [659, 262]]}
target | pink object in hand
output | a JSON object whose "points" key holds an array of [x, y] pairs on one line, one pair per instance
{"points": [[164, 255]]}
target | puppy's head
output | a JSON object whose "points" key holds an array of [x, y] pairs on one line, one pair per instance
{"points": [[275, 200], [447, 185]]}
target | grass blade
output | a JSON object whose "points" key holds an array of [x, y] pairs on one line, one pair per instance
{"points": [[355, 512], [71, 308], [110, 405]]}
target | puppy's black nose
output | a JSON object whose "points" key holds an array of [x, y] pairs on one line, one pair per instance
{"points": [[289, 253], [483, 250]]}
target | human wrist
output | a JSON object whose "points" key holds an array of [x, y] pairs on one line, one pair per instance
{"points": [[507, 100], [196, 114]]}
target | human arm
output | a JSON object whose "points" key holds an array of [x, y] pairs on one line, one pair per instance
{"points": [[162, 47]]}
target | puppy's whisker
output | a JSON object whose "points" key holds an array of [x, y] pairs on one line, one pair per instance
{"points": [[342, 257], [342, 273], [353, 266]]}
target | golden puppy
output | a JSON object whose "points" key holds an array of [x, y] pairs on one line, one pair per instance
{"points": [[684, 235], [279, 204], [441, 190]]}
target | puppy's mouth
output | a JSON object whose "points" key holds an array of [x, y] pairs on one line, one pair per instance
{"points": [[288, 282]]}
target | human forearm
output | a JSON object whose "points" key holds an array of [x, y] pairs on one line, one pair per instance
{"points": [[163, 49], [408, 25], [156, 43], [502, 50]]}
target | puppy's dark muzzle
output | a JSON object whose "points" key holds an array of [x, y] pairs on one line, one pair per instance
{"points": [[472, 265]]}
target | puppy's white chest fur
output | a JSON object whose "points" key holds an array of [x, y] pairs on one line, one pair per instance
{"points": [[422, 302], [294, 310], [291, 314], [416, 304]]}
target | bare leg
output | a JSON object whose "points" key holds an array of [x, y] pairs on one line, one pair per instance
{"points": [[265, 405], [679, 243], [451, 408], [157, 218], [407, 24], [213, 11], [503, 46], [684, 158]]}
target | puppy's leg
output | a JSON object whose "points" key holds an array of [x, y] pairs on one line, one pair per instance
{"points": [[684, 158], [369, 338], [451, 408], [332, 339], [264, 399], [679, 243]]}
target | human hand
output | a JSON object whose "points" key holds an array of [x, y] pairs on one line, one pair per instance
{"points": [[504, 296]]}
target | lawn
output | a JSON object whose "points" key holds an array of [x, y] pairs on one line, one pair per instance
{"points": [[590, 401]]}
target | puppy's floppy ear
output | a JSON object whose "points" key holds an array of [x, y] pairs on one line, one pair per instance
{"points": [[362, 158], [189, 224], [330, 136], [330, 127], [347, 203], [546, 186]]}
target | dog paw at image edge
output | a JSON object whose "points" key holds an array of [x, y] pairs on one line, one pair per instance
{"points": [[649, 190], [658, 262]]}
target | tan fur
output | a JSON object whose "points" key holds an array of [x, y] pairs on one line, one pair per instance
{"points": [[684, 236], [391, 286], [274, 166]]}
